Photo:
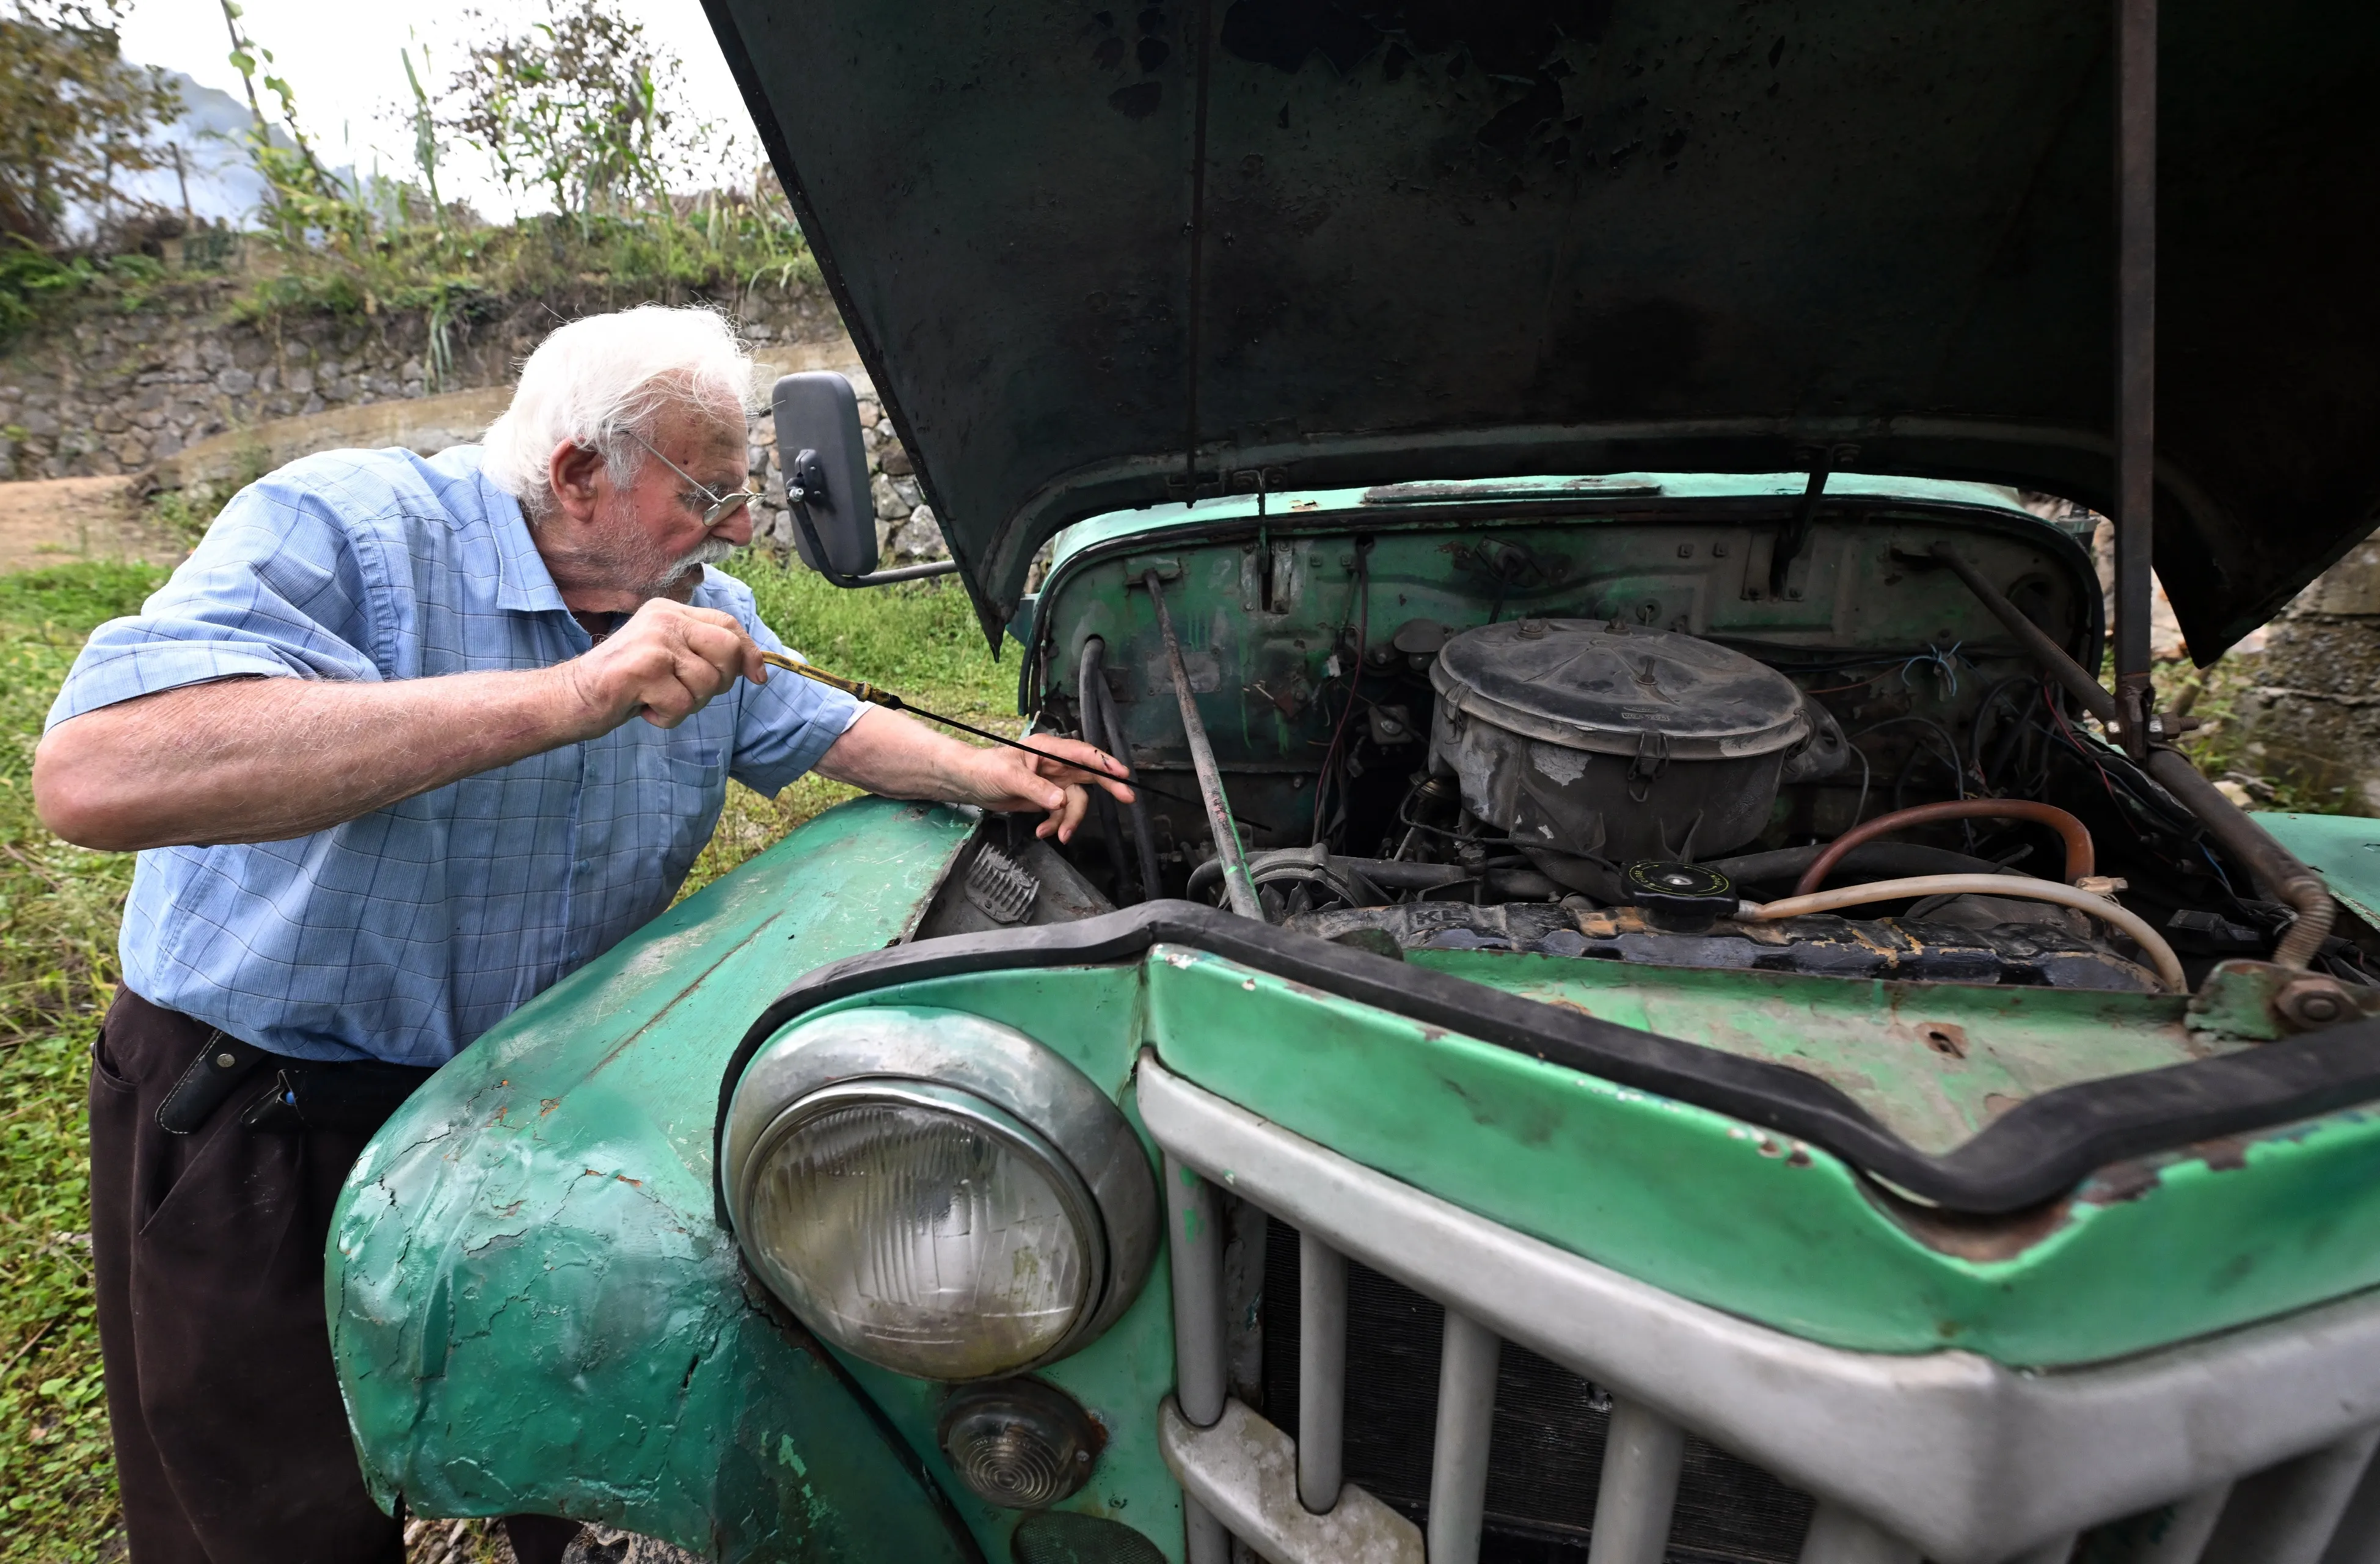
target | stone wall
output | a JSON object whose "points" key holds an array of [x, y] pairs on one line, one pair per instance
{"points": [[107, 391], [905, 529], [2313, 713]]}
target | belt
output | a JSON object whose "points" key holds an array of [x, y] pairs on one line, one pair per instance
{"points": [[354, 1096]]}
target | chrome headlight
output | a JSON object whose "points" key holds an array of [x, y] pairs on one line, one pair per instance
{"points": [[936, 1192]]}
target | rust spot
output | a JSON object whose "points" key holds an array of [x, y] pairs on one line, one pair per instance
{"points": [[1967, 1236], [546, 1105], [1769, 1147], [1997, 1103], [2122, 1182], [1799, 1157], [2229, 1153], [1945, 1039]]}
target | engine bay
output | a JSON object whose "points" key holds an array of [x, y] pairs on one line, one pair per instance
{"points": [[1635, 726]]}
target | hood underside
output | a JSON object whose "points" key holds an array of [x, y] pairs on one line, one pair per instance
{"points": [[1097, 258]]}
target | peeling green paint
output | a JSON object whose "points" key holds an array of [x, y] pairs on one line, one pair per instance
{"points": [[532, 1307], [534, 1311]]}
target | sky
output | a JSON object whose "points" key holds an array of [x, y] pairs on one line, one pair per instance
{"points": [[342, 59]]}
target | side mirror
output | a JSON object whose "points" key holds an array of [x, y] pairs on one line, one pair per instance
{"points": [[826, 474]]}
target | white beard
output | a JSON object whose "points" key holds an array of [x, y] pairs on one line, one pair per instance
{"points": [[710, 551]]}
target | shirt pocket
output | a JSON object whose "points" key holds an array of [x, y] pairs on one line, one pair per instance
{"points": [[685, 786]]}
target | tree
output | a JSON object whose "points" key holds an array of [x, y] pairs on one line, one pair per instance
{"points": [[74, 113], [304, 202], [581, 103]]}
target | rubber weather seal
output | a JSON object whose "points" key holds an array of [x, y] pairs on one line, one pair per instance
{"points": [[2033, 1153]]}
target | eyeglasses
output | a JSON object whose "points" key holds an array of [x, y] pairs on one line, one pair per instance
{"points": [[721, 505]]}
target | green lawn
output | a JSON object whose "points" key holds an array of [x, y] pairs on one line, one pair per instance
{"points": [[58, 907]]}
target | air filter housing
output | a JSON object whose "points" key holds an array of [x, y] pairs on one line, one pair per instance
{"points": [[1589, 739]]}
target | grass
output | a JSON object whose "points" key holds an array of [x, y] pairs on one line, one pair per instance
{"points": [[58, 911], [58, 907]]}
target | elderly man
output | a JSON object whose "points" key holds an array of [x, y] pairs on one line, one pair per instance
{"points": [[378, 745]]}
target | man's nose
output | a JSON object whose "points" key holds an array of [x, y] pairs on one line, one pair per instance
{"points": [[736, 526]]}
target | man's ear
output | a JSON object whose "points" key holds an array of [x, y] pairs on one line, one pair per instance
{"points": [[575, 470]]}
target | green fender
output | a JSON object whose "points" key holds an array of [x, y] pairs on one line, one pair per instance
{"points": [[532, 1309]]}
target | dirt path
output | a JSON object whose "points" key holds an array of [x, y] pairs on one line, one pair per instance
{"points": [[54, 520]]}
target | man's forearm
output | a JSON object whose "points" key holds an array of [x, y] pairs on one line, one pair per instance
{"points": [[897, 757], [266, 760]]}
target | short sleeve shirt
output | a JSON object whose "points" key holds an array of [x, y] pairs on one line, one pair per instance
{"points": [[406, 933]]}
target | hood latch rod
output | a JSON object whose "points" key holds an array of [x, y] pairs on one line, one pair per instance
{"points": [[1238, 889]]}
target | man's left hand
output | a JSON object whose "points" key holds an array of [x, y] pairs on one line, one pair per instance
{"points": [[1054, 781], [890, 754]]}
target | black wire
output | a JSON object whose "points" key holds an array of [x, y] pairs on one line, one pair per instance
{"points": [[1405, 817], [1362, 605], [1983, 717], [1949, 750]]}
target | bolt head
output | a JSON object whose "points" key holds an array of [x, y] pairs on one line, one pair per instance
{"points": [[2313, 1001]]}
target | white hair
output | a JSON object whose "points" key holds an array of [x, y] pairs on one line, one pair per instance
{"points": [[599, 380]]}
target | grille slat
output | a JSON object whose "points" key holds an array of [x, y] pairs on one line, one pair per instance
{"points": [[1321, 1373], [1643, 1455], [1468, 1354], [1194, 1252], [1549, 1434]]}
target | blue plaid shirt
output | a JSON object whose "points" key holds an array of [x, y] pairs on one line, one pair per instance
{"points": [[406, 934]]}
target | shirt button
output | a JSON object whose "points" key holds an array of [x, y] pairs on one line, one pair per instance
{"points": [[585, 863]]}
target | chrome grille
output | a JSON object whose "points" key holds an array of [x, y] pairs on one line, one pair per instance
{"points": [[1546, 1447], [2252, 1448]]}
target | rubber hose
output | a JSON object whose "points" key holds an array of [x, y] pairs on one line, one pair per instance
{"points": [[2150, 942], [1870, 860], [2080, 858], [1095, 734], [1143, 837]]}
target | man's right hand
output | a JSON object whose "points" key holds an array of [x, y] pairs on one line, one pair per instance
{"points": [[664, 664]]}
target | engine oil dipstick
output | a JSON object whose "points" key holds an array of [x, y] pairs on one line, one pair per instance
{"points": [[861, 690]]}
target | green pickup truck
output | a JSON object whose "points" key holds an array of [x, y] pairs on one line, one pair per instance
{"points": [[1653, 1006]]}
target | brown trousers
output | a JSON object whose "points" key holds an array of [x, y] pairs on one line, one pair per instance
{"points": [[231, 1441]]}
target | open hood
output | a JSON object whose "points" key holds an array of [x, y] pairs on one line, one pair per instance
{"points": [[1104, 257]]}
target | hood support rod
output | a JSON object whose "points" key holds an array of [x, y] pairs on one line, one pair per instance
{"points": [[2275, 866], [2135, 388], [1237, 887]]}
